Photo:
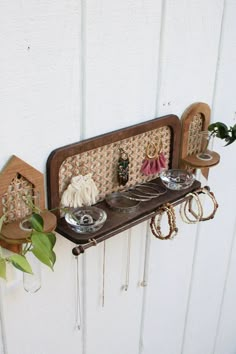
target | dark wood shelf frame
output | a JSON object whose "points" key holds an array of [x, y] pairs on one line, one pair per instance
{"points": [[116, 222]]}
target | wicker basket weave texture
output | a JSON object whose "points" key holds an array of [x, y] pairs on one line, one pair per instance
{"points": [[102, 162]]}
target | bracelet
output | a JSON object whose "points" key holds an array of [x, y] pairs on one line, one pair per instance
{"points": [[213, 199], [155, 223], [187, 207]]}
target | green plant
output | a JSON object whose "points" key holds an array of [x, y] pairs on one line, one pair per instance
{"points": [[222, 131], [40, 243]]}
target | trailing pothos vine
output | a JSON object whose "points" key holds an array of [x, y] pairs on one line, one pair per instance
{"points": [[40, 243]]}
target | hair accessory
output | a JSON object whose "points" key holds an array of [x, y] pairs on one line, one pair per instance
{"points": [[123, 168], [155, 223]]}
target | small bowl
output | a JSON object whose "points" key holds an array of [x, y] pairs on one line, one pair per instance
{"points": [[86, 220], [177, 179]]}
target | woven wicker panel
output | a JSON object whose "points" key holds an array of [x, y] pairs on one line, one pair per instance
{"points": [[194, 138], [13, 204], [102, 162]]}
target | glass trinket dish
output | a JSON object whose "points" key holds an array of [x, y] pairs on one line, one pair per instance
{"points": [[86, 220], [177, 179]]}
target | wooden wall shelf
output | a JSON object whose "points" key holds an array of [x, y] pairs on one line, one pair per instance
{"points": [[195, 162], [76, 156], [119, 222]]}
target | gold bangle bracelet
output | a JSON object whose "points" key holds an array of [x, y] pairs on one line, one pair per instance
{"points": [[156, 221], [214, 201]]}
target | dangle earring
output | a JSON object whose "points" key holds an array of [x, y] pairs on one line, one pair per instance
{"points": [[123, 168], [162, 159], [154, 161]]}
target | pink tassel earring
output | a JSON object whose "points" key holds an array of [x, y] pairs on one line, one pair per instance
{"points": [[154, 161], [162, 159], [151, 164]]}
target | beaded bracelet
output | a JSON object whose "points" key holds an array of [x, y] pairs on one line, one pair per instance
{"points": [[213, 199], [155, 223], [185, 208]]}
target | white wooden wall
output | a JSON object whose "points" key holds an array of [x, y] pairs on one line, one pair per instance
{"points": [[72, 69]]}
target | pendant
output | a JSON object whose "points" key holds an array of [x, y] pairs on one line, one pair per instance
{"points": [[123, 168]]}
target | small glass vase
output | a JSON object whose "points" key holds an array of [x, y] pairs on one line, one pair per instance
{"points": [[32, 282], [206, 140]]}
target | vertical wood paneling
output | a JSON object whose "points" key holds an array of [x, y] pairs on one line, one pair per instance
{"points": [[188, 65], [50, 311], [224, 109], [114, 327], [215, 239], [74, 69], [225, 334], [39, 78], [121, 63], [189, 53], [3, 346], [121, 79], [40, 100]]}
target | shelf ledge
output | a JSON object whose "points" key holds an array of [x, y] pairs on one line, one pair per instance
{"points": [[195, 162], [118, 222]]}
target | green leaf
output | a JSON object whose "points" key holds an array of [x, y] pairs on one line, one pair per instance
{"points": [[234, 131], [52, 238], [41, 240], [212, 127], [20, 262], [42, 248], [220, 129], [3, 268], [230, 140], [36, 221], [53, 258], [1, 221], [44, 258]]}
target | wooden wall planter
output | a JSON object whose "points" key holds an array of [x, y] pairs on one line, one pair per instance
{"points": [[18, 179], [195, 119], [99, 156]]}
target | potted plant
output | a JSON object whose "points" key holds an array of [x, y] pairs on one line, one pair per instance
{"points": [[38, 242]]}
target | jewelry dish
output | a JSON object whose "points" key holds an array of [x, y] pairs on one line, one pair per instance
{"points": [[177, 179], [86, 220]]}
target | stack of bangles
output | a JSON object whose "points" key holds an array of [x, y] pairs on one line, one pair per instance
{"points": [[155, 223], [187, 212], [190, 216]]}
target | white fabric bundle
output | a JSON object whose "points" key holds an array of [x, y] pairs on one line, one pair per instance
{"points": [[82, 191]]}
